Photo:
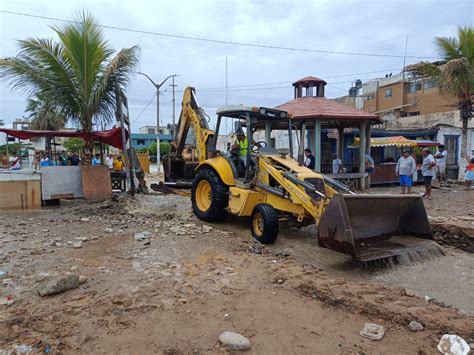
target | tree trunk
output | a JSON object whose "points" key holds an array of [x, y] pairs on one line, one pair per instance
{"points": [[87, 150]]}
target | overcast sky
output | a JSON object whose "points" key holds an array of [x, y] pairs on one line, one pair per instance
{"points": [[368, 26]]}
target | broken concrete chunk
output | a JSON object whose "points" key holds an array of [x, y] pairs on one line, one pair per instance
{"points": [[451, 344], [77, 244], [234, 341], [372, 331], [109, 230], [58, 285], [85, 219]]}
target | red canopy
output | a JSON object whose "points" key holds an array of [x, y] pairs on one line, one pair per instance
{"points": [[111, 137]]}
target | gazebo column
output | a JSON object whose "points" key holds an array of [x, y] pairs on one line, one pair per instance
{"points": [[317, 145], [368, 134], [268, 134], [362, 144], [302, 142], [340, 143]]}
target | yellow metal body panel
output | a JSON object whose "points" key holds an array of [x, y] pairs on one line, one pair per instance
{"points": [[144, 159], [242, 201], [222, 167]]}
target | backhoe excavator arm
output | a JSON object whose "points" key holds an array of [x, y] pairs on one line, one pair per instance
{"points": [[192, 116]]}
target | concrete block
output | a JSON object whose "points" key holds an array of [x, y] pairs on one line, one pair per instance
{"points": [[61, 182]]}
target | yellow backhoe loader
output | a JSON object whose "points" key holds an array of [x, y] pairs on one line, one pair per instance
{"points": [[270, 186]]}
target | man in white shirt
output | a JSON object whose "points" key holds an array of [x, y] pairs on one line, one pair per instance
{"points": [[441, 163], [336, 165], [428, 171], [110, 162]]}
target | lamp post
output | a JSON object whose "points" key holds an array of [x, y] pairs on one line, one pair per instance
{"points": [[157, 87]]}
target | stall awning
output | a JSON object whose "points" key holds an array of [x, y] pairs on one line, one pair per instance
{"points": [[111, 137], [395, 141]]}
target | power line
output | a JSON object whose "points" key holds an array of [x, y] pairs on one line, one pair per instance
{"points": [[203, 39], [289, 82], [148, 104]]}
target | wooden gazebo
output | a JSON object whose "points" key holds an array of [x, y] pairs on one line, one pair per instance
{"points": [[312, 112]]}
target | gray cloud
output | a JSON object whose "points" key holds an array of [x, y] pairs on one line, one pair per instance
{"points": [[368, 26]]}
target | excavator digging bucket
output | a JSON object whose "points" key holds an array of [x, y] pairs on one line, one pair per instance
{"points": [[371, 227]]}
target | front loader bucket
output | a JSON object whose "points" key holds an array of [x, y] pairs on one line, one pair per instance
{"points": [[370, 227]]}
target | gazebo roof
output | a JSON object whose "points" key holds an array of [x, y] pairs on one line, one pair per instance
{"points": [[319, 108], [308, 80]]}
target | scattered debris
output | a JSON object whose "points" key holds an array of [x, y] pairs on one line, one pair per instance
{"points": [[415, 326], [139, 236], [23, 348], [109, 230], [372, 331], [85, 219], [234, 341], [7, 300], [58, 285], [451, 344], [77, 244]]}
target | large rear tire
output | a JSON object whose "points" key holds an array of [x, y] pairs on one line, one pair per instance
{"points": [[209, 196], [265, 223]]}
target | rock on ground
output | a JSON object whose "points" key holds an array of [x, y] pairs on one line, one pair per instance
{"points": [[59, 285], [451, 344], [372, 331], [234, 341], [415, 326]]}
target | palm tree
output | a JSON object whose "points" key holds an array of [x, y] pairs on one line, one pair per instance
{"points": [[78, 74], [44, 115], [455, 74]]}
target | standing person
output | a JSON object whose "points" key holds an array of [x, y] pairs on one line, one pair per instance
{"points": [[309, 159], [96, 160], [118, 164], [336, 165], [441, 164], [369, 164], [74, 159], [45, 160], [110, 161], [15, 162], [428, 171], [469, 177], [406, 167], [62, 158]]}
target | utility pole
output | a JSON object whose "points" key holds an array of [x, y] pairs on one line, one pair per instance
{"points": [[157, 87], [174, 101], [226, 100]]}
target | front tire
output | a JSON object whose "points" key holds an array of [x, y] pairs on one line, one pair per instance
{"points": [[264, 223], [209, 196]]}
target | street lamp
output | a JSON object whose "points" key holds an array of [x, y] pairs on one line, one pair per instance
{"points": [[157, 87]]}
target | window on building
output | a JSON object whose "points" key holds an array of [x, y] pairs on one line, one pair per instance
{"points": [[388, 93], [451, 143], [428, 84], [151, 131], [414, 86], [414, 113], [140, 142]]}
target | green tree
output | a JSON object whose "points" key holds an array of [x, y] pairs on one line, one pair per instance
{"points": [[455, 74], [79, 73], [73, 144], [44, 115], [165, 148], [2, 123]]}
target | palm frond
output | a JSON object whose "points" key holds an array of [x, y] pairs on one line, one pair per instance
{"points": [[448, 48]]}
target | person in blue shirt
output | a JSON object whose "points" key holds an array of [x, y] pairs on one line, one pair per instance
{"points": [[96, 160]]}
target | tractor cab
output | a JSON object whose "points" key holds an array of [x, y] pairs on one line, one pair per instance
{"points": [[246, 120]]}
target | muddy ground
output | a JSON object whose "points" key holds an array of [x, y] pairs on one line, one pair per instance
{"points": [[185, 282]]}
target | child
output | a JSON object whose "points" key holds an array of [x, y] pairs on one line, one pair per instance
{"points": [[469, 177]]}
